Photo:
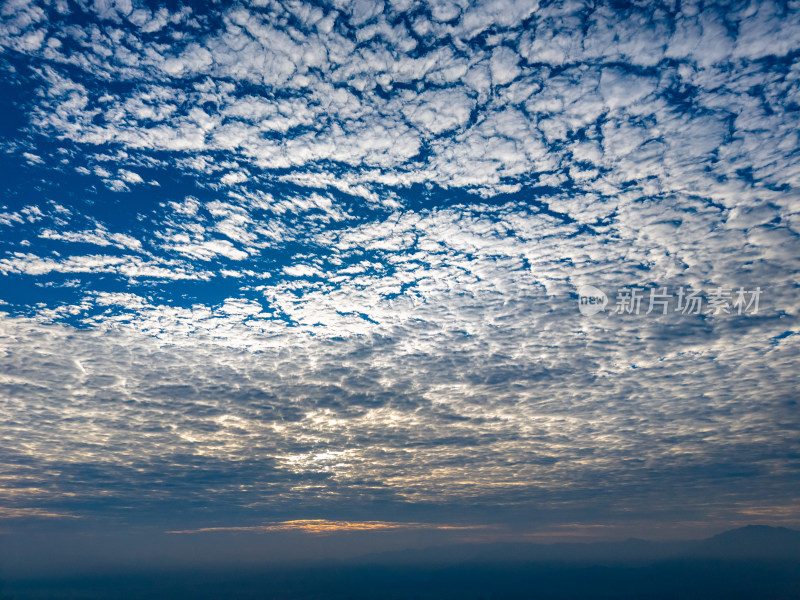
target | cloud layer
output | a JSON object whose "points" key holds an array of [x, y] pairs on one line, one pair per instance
{"points": [[279, 258]]}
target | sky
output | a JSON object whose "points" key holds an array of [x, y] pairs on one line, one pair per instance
{"points": [[293, 279]]}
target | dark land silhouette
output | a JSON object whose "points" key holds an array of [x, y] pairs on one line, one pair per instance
{"points": [[754, 562]]}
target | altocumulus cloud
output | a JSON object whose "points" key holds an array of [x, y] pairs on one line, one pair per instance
{"points": [[299, 260]]}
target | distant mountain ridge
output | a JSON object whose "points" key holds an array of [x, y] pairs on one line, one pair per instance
{"points": [[752, 542]]}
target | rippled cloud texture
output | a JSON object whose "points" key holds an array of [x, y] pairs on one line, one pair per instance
{"points": [[317, 263]]}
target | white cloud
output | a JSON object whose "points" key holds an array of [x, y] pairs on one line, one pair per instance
{"points": [[504, 65], [130, 176], [440, 111]]}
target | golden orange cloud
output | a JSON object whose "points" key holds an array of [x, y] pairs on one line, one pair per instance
{"points": [[323, 526], [19, 513]]}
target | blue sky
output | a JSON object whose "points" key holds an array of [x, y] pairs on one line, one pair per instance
{"points": [[266, 262]]}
